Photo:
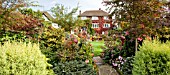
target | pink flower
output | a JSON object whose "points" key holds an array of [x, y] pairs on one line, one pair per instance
{"points": [[71, 36], [114, 64], [86, 61], [140, 39], [144, 35], [112, 55], [75, 40], [122, 37], [127, 33]]}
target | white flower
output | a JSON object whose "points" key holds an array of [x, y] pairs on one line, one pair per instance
{"points": [[120, 58]]}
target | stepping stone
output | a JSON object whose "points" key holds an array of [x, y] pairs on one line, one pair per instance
{"points": [[104, 69], [98, 61], [107, 70]]}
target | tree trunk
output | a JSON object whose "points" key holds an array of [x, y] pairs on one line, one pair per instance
{"points": [[136, 45]]}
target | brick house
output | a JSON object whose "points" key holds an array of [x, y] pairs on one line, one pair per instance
{"points": [[101, 22]]}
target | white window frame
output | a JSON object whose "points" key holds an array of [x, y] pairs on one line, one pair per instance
{"points": [[55, 25], [106, 25], [83, 18], [95, 25], [106, 18], [95, 18]]}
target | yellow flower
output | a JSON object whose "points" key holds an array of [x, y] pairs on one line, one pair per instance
{"points": [[63, 39]]}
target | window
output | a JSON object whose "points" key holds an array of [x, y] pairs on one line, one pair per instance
{"points": [[95, 25], [83, 18], [106, 25], [106, 18], [95, 18], [55, 25]]}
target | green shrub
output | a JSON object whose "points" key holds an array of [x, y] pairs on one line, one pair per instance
{"points": [[75, 51], [112, 50], [51, 42], [61, 48], [56, 46], [127, 66], [128, 49], [11, 35], [152, 59], [18, 58], [74, 68], [52, 38]]}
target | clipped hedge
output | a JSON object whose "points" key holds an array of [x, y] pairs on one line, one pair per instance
{"points": [[19, 58], [152, 59]]}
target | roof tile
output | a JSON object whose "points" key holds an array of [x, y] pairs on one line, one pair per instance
{"points": [[94, 13]]}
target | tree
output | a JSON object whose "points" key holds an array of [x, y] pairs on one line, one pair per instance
{"points": [[10, 6], [15, 22], [138, 17], [90, 30], [64, 18]]}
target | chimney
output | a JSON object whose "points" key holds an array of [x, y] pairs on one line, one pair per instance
{"points": [[99, 8], [80, 12]]}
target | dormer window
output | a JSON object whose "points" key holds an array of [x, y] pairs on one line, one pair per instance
{"points": [[95, 25], [95, 18]]}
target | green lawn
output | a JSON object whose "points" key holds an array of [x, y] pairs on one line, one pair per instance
{"points": [[97, 47]]}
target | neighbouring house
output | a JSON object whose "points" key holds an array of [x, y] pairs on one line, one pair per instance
{"points": [[101, 21], [50, 19]]}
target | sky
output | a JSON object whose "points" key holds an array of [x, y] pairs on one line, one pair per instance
{"points": [[84, 4]]}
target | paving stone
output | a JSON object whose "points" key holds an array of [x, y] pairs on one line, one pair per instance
{"points": [[107, 70], [98, 61], [103, 68]]}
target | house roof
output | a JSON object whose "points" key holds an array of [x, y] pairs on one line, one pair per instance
{"points": [[46, 14], [94, 13]]}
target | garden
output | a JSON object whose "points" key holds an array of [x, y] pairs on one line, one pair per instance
{"points": [[32, 46]]}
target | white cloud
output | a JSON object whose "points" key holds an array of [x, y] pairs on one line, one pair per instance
{"points": [[91, 5], [53, 2], [84, 4]]}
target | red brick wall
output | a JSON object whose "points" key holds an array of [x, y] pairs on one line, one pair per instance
{"points": [[101, 22]]}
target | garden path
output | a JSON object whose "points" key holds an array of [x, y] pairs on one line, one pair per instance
{"points": [[104, 69]]}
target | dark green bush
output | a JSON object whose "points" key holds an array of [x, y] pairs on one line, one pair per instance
{"points": [[128, 49], [112, 50], [152, 59], [74, 68], [127, 66], [19, 58]]}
